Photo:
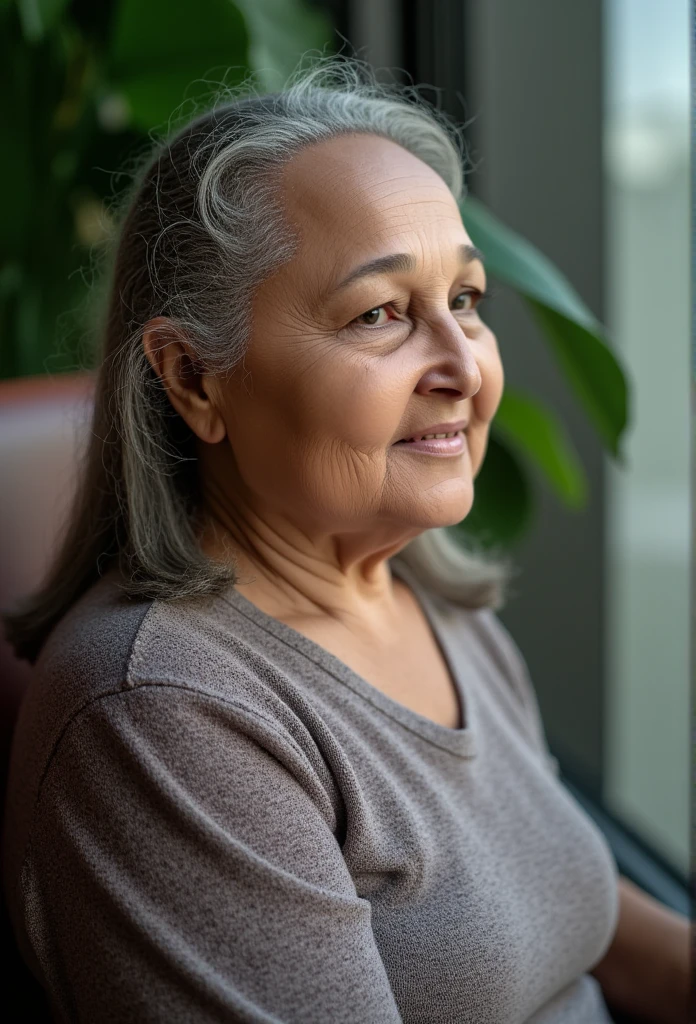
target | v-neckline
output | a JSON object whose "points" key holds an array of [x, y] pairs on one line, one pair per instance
{"points": [[460, 742]]}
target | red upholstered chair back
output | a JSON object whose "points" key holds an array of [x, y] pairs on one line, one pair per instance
{"points": [[44, 422]]}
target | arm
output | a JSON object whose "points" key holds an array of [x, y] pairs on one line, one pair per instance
{"points": [[184, 868], [646, 971]]}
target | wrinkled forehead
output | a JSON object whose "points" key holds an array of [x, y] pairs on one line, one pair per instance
{"points": [[356, 195]]}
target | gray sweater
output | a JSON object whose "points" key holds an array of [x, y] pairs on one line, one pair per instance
{"points": [[212, 818]]}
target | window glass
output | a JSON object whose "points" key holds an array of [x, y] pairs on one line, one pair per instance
{"points": [[647, 178]]}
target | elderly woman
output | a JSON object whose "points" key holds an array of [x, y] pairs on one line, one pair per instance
{"points": [[280, 761]]}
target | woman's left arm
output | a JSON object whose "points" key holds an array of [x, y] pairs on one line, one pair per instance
{"points": [[646, 972]]}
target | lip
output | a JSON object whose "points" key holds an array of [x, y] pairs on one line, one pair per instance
{"points": [[439, 428]]}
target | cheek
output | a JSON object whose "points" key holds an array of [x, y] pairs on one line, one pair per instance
{"points": [[355, 401], [478, 443], [320, 441], [486, 402], [338, 479], [487, 398]]}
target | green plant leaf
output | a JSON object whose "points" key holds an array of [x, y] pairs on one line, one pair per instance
{"points": [[516, 261], [37, 17], [592, 370], [578, 340], [537, 433], [280, 32], [163, 52], [503, 501]]}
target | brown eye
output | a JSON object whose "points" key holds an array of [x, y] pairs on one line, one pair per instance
{"points": [[460, 300], [476, 296], [371, 317]]}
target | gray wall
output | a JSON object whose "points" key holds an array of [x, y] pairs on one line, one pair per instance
{"points": [[534, 88], [529, 74]]}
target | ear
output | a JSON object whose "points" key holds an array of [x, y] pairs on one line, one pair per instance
{"points": [[188, 388]]}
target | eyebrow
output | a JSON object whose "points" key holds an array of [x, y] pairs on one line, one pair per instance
{"points": [[403, 262]]}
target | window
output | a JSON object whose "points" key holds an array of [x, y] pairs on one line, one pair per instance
{"points": [[647, 266]]}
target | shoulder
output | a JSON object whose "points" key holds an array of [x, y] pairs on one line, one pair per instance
{"points": [[485, 637], [501, 647], [109, 643], [111, 653], [124, 685], [509, 665], [487, 643]]}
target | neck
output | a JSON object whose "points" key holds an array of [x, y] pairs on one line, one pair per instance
{"points": [[296, 574]]}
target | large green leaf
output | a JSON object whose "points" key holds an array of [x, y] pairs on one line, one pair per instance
{"points": [[163, 52], [281, 31], [592, 370], [503, 501], [516, 261], [538, 434], [37, 17], [578, 340]]}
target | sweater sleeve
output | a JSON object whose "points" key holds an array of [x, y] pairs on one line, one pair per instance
{"points": [[183, 867]]}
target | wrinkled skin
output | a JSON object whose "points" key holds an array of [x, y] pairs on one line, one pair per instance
{"points": [[305, 490]]}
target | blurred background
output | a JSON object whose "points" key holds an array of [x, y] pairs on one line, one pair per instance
{"points": [[577, 121]]}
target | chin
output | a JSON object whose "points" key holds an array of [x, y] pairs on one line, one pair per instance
{"points": [[449, 513]]}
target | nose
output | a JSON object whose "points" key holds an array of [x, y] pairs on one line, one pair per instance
{"points": [[451, 365]]}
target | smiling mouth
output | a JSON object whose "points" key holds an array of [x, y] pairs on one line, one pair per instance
{"points": [[430, 437]]}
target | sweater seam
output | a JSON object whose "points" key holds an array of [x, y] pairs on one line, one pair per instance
{"points": [[163, 684], [135, 655], [120, 692]]}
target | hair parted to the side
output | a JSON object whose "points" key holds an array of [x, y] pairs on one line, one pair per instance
{"points": [[201, 229]]}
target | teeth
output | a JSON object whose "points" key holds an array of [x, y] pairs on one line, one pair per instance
{"points": [[429, 437]]}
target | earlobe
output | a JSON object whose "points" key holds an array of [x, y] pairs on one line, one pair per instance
{"points": [[216, 431], [173, 360]]}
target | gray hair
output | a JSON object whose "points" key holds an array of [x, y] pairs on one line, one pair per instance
{"points": [[202, 228]]}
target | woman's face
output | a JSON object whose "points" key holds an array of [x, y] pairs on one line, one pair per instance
{"points": [[340, 367]]}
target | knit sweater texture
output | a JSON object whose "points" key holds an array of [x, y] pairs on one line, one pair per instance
{"points": [[211, 818]]}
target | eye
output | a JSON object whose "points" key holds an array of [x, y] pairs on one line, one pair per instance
{"points": [[476, 296], [372, 317], [379, 316]]}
